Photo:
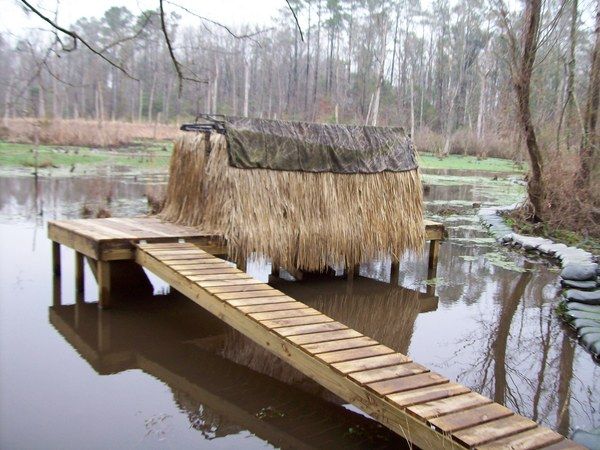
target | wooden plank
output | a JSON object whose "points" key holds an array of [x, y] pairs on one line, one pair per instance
{"points": [[528, 440], [206, 284], [284, 314], [342, 344], [386, 373], [259, 301], [371, 363], [217, 276], [250, 287], [187, 260], [272, 307], [323, 337], [416, 396], [407, 383], [124, 229], [109, 230], [470, 417], [354, 353], [253, 294], [564, 445], [306, 329], [433, 230], [201, 266], [292, 321], [448, 405], [170, 252], [202, 258], [491, 431], [82, 244], [222, 270], [143, 228], [155, 246], [190, 262]]}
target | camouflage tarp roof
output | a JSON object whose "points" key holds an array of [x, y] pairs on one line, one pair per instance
{"points": [[312, 147]]}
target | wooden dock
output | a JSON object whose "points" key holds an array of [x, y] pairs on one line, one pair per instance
{"points": [[109, 246], [424, 407]]}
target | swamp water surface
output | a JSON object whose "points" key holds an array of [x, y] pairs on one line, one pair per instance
{"points": [[162, 373]]}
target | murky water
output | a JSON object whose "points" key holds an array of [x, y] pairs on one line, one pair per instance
{"points": [[161, 373]]}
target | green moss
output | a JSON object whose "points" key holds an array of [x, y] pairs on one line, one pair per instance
{"points": [[501, 260], [431, 161], [147, 155]]}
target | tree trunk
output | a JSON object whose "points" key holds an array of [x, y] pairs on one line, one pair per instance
{"points": [[590, 141], [246, 87], [522, 84]]}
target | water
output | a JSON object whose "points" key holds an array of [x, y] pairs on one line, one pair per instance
{"points": [[161, 373]]}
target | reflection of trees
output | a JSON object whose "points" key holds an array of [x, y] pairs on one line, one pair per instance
{"points": [[523, 357], [24, 196]]}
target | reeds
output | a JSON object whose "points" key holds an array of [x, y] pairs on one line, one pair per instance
{"points": [[301, 220], [89, 133]]}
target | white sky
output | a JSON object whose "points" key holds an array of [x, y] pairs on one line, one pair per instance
{"points": [[228, 12]]}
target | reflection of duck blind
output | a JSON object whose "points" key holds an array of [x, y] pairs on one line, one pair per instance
{"points": [[299, 218], [383, 312], [386, 315]]}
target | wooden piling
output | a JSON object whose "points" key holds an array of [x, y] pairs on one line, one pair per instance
{"points": [[79, 277], [56, 259], [104, 294]]}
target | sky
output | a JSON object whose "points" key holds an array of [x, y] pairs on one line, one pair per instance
{"points": [[228, 12]]}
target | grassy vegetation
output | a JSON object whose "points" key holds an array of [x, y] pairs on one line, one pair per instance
{"points": [[459, 162], [142, 154]]}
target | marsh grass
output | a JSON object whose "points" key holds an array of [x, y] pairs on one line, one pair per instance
{"points": [[88, 133]]}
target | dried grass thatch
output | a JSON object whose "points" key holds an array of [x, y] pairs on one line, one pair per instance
{"points": [[301, 220]]}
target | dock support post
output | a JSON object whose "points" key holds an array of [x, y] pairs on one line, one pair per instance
{"points": [[275, 270], [434, 254], [56, 279], [395, 272], [56, 259], [56, 290], [104, 297], [79, 277]]}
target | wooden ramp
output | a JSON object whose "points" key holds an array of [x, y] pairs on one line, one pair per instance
{"points": [[424, 407]]}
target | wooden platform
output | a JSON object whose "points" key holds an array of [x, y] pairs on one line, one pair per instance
{"points": [[424, 407], [114, 238], [107, 241]]}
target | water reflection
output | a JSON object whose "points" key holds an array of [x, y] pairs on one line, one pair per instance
{"points": [[385, 312], [172, 339]]}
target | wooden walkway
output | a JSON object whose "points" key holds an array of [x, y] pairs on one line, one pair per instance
{"points": [[424, 407]]}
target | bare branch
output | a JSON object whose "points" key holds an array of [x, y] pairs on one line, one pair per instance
{"points": [[220, 25], [176, 63], [296, 19], [76, 38]]}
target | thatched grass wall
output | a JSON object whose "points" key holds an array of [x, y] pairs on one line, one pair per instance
{"points": [[302, 220]]}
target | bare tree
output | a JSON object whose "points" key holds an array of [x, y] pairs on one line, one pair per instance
{"points": [[522, 59]]}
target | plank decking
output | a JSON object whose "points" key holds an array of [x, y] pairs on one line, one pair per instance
{"points": [[424, 407], [114, 238]]}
